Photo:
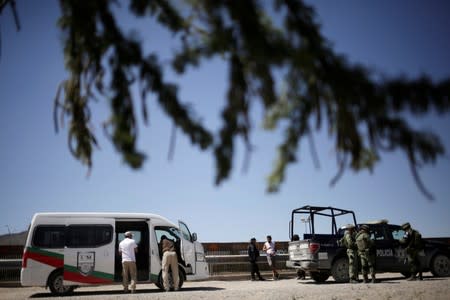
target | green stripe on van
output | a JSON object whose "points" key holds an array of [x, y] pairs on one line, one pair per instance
{"points": [[46, 253], [154, 277], [97, 274]]}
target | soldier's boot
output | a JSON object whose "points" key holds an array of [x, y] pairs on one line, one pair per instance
{"points": [[374, 280], [420, 275], [412, 277], [365, 278], [353, 280]]}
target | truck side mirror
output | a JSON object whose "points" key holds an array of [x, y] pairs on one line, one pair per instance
{"points": [[194, 237]]}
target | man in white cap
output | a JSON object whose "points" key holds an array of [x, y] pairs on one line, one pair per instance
{"points": [[128, 249]]}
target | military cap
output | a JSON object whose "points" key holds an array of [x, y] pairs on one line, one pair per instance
{"points": [[406, 226], [364, 227], [349, 226]]}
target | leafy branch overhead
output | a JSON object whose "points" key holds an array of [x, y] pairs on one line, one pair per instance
{"points": [[258, 42]]}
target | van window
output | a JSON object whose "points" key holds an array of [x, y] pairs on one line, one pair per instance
{"points": [[86, 236], [49, 236], [170, 232]]}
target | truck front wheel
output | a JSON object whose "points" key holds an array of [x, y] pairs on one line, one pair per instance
{"points": [[339, 270], [440, 265]]}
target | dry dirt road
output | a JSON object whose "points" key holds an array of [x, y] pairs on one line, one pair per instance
{"points": [[391, 286]]}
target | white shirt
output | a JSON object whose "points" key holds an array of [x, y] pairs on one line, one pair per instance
{"points": [[270, 248], [126, 247]]}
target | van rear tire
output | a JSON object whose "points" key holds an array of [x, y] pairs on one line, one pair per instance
{"points": [[56, 284]]}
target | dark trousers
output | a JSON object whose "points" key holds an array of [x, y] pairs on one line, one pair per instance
{"points": [[254, 269]]}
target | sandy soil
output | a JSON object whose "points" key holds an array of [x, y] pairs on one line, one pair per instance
{"points": [[391, 286]]}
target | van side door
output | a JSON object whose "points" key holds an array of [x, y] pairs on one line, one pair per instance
{"points": [[187, 246], [89, 251]]}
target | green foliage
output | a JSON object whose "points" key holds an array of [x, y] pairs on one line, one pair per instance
{"points": [[320, 88]]}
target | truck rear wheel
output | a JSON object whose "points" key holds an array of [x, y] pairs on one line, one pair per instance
{"points": [[440, 265], [319, 276], [339, 270]]}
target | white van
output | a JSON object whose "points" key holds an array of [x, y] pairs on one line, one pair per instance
{"points": [[66, 250]]}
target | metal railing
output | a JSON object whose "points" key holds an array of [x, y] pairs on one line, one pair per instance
{"points": [[10, 270]]}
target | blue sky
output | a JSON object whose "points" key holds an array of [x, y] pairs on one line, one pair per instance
{"points": [[37, 172]]}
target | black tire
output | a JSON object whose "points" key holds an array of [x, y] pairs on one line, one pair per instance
{"points": [[55, 283], [319, 276], [440, 265], [160, 282], [339, 270], [406, 274]]}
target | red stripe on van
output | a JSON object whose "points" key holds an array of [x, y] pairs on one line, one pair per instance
{"points": [[45, 259], [77, 277]]}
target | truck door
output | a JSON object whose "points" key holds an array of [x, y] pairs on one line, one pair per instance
{"points": [[89, 251], [398, 234], [187, 246], [384, 248]]}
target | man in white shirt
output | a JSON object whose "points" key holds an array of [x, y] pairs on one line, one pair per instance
{"points": [[128, 249], [271, 252]]}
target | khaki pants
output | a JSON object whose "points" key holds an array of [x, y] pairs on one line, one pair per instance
{"points": [[170, 260], [129, 267]]}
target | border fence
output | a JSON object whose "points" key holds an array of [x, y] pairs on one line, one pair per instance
{"points": [[223, 259]]}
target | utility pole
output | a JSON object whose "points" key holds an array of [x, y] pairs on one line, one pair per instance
{"points": [[9, 234]]}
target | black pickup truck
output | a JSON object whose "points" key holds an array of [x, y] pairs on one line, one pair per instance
{"points": [[321, 256]]}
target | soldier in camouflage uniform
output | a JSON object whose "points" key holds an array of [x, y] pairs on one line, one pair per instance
{"points": [[349, 241], [366, 253], [413, 243]]}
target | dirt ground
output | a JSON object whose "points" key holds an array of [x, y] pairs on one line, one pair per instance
{"points": [[391, 286]]}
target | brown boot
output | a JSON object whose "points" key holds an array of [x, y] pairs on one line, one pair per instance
{"points": [[411, 278]]}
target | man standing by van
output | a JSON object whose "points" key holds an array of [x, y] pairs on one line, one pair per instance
{"points": [[128, 250], [169, 260]]}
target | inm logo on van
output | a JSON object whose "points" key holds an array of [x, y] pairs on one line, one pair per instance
{"points": [[86, 262]]}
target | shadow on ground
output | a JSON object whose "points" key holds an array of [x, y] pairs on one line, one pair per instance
{"points": [[390, 280], [78, 293]]}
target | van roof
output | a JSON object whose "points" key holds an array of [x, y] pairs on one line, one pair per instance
{"points": [[116, 215]]}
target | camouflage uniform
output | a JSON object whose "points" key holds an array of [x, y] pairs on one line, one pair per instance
{"points": [[414, 244], [349, 241], [366, 253]]}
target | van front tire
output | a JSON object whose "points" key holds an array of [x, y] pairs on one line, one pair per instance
{"points": [[160, 282], [55, 283]]}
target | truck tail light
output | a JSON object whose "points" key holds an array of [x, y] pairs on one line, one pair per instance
{"points": [[24, 259], [314, 247]]}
